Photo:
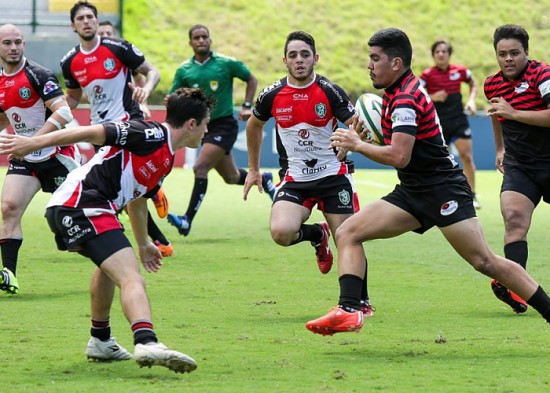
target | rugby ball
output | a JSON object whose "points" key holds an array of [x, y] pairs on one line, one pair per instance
{"points": [[369, 109]]}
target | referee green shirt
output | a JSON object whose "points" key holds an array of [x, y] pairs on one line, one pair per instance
{"points": [[215, 78]]}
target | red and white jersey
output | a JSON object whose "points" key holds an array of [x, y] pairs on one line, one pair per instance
{"points": [[305, 118], [22, 98], [134, 161], [103, 74]]}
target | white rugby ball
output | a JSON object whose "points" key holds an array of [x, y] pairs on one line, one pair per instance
{"points": [[369, 109]]}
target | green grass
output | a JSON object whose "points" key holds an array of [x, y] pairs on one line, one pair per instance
{"points": [[255, 32], [237, 303]]}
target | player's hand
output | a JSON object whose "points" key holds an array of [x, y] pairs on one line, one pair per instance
{"points": [[17, 145], [245, 113], [252, 178], [347, 140], [150, 256], [499, 160], [439, 96], [471, 107], [498, 106], [139, 94]]}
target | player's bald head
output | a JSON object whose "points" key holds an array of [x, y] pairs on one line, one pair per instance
{"points": [[8, 28]]}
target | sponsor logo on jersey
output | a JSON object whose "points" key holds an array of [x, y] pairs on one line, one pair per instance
{"points": [[9, 83], [80, 73], [311, 163], [321, 110], [448, 208], [21, 128], [283, 110], [144, 172], [521, 88], [90, 59], [454, 76], [214, 85], [50, 87], [153, 134], [109, 64], [67, 221], [344, 197], [151, 166], [300, 97], [303, 133], [403, 117], [136, 50], [98, 93], [25, 93], [122, 132], [310, 171]]}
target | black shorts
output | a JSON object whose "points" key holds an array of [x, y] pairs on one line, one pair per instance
{"points": [[222, 132], [332, 194], [75, 231], [457, 128], [441, 207], [50, 173], [533, 183]]}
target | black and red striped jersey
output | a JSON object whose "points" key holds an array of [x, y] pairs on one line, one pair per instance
{"points": [[23, 94], [103, 74], [305, 118], [407, 107], [450, 79], [524, 144], [135, 159]]}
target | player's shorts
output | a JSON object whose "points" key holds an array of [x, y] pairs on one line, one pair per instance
{"points": [[51, 172], [77, 229], [332, 194], [533, 183], [222, 132], [457, 128], [441, 206]]}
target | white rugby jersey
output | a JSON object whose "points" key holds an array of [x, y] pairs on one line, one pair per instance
{"points": [[305, 118], [23, 94], [103, 74]]}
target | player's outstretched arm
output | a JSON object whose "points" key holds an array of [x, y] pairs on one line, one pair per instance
{"points": [[22, 145]]}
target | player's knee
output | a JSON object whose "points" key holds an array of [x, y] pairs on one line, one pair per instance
{"points": [[281, 236], [516, 221], [10, 210]]}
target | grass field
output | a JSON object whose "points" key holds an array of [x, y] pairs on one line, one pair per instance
{"points": [[237, 303]]}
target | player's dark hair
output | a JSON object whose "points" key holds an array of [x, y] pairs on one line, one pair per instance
{"points": [[511, 32], [196, 27], [187, 103], [393, 43], [106, 23], [442, 42], [82, 4], [301, 36]]}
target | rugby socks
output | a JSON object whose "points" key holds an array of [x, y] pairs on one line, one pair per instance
{"points": [[10, 251], [365, 289], [242, 176], [541, 302], [350, 290], [154, 231], [143, 332], [101, 329], [517, 252], [199, 191], [311, 232]]}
